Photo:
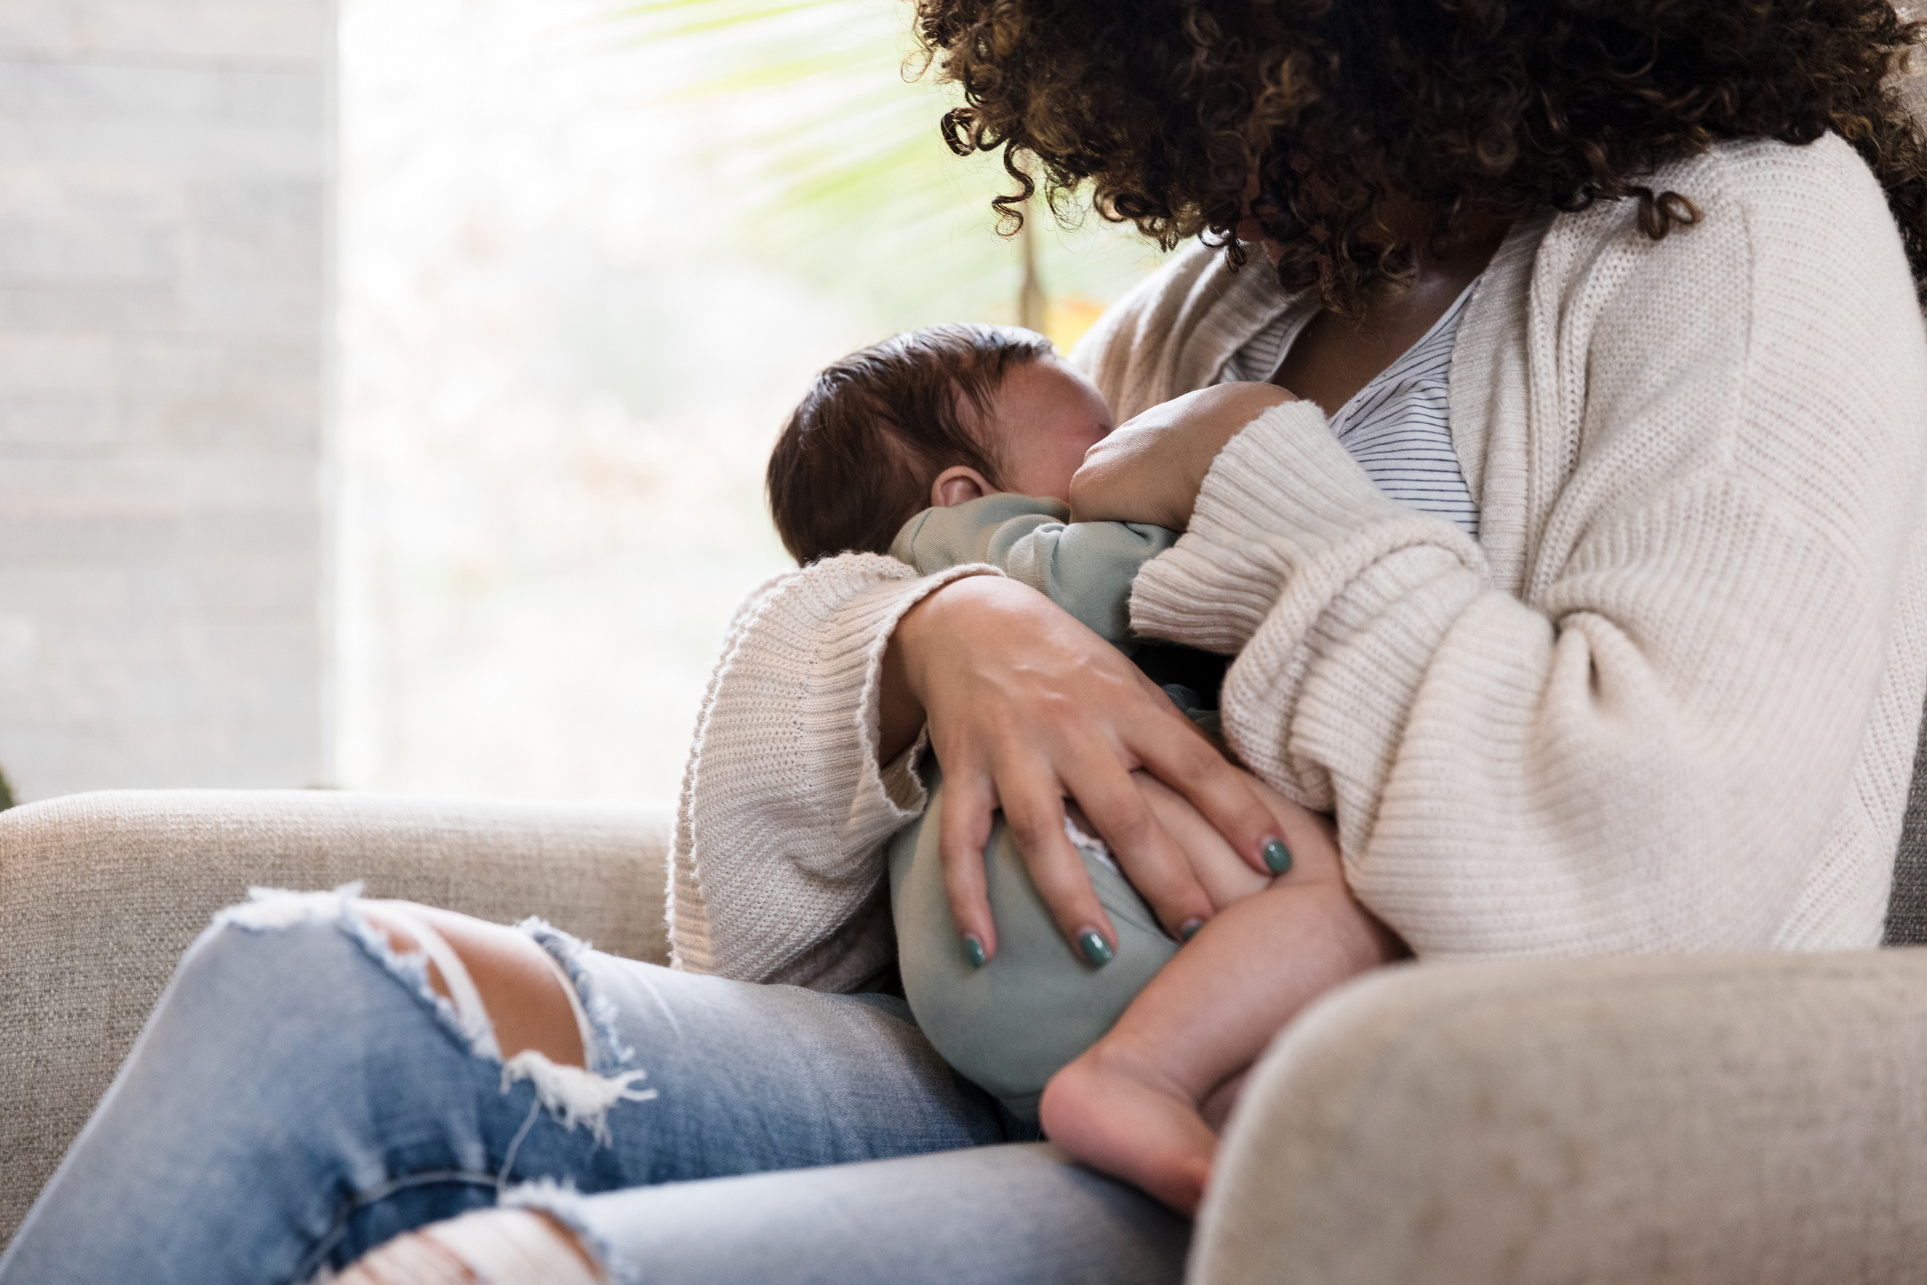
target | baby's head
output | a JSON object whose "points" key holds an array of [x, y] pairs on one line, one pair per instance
{"points": [[929, 418]]}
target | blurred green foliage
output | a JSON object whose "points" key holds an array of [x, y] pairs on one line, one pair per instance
{"points": [[829, 133]]}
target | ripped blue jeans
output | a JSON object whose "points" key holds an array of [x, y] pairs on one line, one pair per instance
{"points": [[300, 1095]]}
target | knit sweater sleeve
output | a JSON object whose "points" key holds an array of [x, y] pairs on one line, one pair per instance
{"points": [[777, 871], [1645, 747]]}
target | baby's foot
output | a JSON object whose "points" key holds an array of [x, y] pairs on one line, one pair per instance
{"points": [[1115, 1111]]}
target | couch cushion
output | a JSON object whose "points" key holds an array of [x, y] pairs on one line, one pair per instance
{"points": [[100, 893]]}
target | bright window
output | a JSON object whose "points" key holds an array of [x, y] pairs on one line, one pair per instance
{"points": [[579, 290]]}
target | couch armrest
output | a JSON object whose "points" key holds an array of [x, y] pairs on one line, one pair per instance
{"points": [[1707, 1119], [100, 893]]}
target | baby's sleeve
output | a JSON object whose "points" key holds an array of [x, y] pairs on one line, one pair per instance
{"points": [[1084, 567]]}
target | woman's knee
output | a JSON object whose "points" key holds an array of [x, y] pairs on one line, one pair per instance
{"points": [[523, 996], [507, 994]]}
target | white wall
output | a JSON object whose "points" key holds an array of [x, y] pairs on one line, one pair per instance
{"points": [[164, 197]]}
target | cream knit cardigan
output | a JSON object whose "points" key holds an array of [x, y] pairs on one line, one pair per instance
{"points": [[1667, 702]]}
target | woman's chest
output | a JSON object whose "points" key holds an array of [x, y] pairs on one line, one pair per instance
{"points": [[1332, 359], [1384, 391]]}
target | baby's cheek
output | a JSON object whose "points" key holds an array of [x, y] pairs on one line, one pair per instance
{"points": [[1046, 475]]}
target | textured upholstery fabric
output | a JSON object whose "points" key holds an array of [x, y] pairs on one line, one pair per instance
{"points": [[1755, 1119], [100, 893]]}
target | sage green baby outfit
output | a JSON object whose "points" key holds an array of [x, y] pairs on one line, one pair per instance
{"points": [[1009, 1025], [1084, 567]]}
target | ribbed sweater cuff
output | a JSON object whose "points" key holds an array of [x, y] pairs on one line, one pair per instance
{"points": [[785, 802], [893, 789], [1280, 493]]}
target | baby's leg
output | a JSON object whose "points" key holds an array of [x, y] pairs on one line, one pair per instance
{"points": [[1132, 1104]]}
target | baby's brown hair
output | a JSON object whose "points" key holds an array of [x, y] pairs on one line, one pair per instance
{"points": [[858, 455]]}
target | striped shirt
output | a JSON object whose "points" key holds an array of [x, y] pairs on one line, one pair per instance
{"points": [[1395, 427]]}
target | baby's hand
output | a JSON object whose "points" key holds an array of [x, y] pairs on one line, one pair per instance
{"points": [[1150, 468], [1225, 876]]}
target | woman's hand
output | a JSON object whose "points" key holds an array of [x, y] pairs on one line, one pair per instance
{"points": [[1149, 468], [1026, 707]]}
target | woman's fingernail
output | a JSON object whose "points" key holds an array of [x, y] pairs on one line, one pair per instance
{"points": [[974, 950], [1277, 856], [1189, 929], [1097, 951]]}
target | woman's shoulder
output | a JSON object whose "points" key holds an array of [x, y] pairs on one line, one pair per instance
{"points": [[1767, 203], [1748, 164], [1821, 194], [1786, 311], [1175, 281], [1173, 330], [1785, 239]]}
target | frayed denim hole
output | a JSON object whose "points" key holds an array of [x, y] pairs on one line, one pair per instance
{"points": [[572, 1095], [274, 909], [267, 909], [586, 1094], [610, 1054], [412, 969], [314, 1269], [563, 1202]]}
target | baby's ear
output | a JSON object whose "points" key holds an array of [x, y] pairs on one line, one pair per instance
{"points": [[956, 485]]}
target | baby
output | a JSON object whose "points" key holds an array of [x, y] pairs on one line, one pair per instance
{"points": [[957, 444]]}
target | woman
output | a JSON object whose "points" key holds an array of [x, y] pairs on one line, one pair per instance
{"points": [[1666, 701]]}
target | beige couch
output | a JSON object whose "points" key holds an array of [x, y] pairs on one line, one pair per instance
{"points": [[1712, 1119], [100, 894]]}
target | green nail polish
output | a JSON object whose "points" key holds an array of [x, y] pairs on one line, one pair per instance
{"points": [[1097, 951], [973, 950], [1189, 929], [1277, 856]]}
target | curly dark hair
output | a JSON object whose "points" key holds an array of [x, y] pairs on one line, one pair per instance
{"points": [[1341, 107]]}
